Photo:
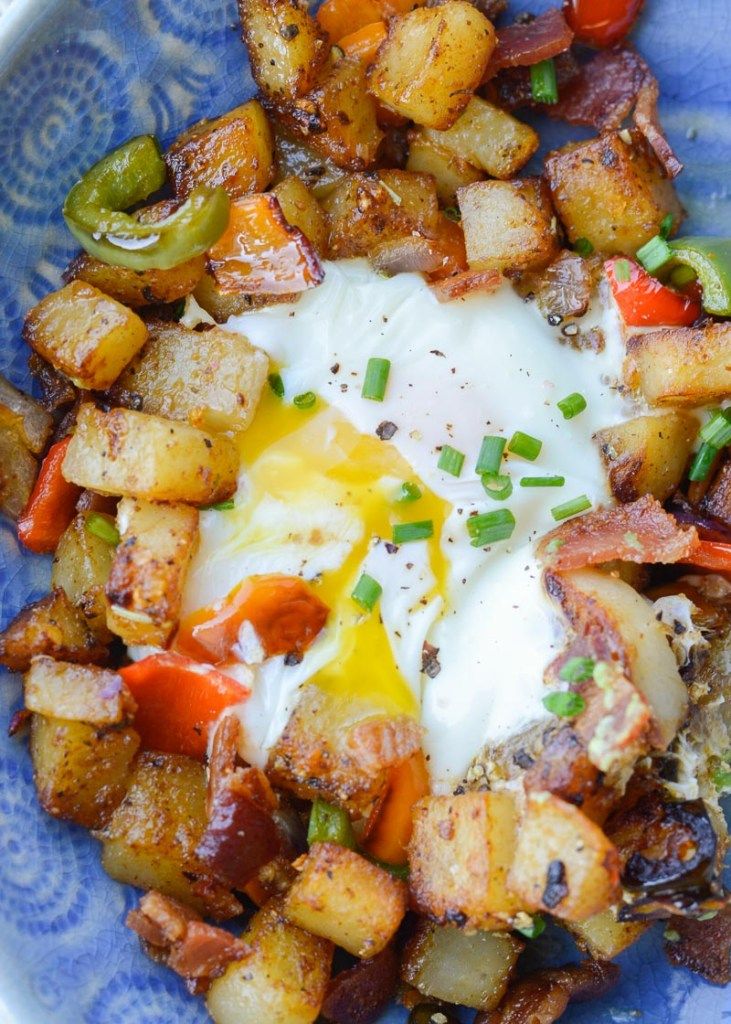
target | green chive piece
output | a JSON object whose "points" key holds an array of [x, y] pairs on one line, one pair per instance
{"points": [[498, 486], [708, 916], [577, 670], [329, 824], [583, 246], [220, 506], [525, 446], [276, 384], [570, 508], [397, 870], [543, 81], [452, 213], [366, 592], [305, 400], [704, 459], [450, 460], [408, 492], [572, 405], [490, 527], [722, 779], [491, 454], [717, 431], [376, 379], [404, 533], [623, 270], [101, 527], [666, 226], [542, 481], [537, 927], [654, 254], [564, 703], [670, 935]]}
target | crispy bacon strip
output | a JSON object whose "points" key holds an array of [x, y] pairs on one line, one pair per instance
{"points": [[641, 531], [469, 282], [648, 122], [511, 88], [702, 946], [360, 994], [526, 43], [542, 997]]}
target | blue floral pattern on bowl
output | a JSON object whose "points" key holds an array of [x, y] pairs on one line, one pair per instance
{"points": [[76, 78]]}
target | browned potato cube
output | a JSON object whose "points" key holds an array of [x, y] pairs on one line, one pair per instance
{"points": [[432, 61], [488, 138], [25, 416], [564, 864], [18, 471], [648, 454], [449, 171], [140, 456], [612, 191], [468, 969], [52, 626], [341, 896], [145, 585], [338, 117], [77, 693], [85, 334], [213, 379], [508, 225], [81, 771], [295, 156], [283, 981], [603, 937], [460, 854], [138, 287], [222, 305], [150, 841], [234, 151], [81, 566], [286, 46], [301, 209], [681, 365]]}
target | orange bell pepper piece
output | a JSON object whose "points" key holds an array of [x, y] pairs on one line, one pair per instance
{"points": [[341, 17], [363, 44], [178, 700], [449, 243], [51, 505], [388, 830]]}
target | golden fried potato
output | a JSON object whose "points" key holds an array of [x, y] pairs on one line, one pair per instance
{"points": [[286, 46], [302, 210], [21, 413], [450, 172], [647, 454], [52, 626], [76, 693], [603, 937], [681, 365], [18, 471], [138, 287], [81, 565]]}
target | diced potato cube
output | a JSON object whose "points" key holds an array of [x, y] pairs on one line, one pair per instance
{"points": [[341, 896], [145, 585], [449, 171], [81, 566], [302, 209], [138, 287], [508, 225], [52, 626], [681, 365], [286, 46], [648, 454], [460, 854], [488, 138], [235, 151], [467, 969], [283, 981], [213, 379], [140, 456], [296, 156], [611, 191], [85, 334], [564, 864], [151, 839], [18, 471], [432, 61], [603, 937], [81, 771], [23, 414], [77, 693]]}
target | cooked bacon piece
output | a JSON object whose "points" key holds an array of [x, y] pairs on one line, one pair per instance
{"points": [[360, 994], [641, 531], [648, 122], [701, 946], [469, 282], [223, 755], [511, 88], [196, 951], [605, 91], [564, 769], [541, 998], [526, 43]]}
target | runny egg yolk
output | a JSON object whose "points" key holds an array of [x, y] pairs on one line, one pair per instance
{"points": [[294, 457]]}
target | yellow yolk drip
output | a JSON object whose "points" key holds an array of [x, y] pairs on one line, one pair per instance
{"points": [[300, 457]]}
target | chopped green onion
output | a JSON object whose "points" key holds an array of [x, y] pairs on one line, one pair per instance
{"points": [[704, 459], [708, 916], [717, 431], [722, 779], [570, 508], [100, 526], [564, 703], [542, 481], [491, 454], [376, 379], [408, 492], [572, 405], [305, 400], [543, 81], [525, 446], [397, 870], [537, 927], [490, 527], [666, 226], [681, 276], [583, 246], [450, 460], [366, 592], [220, 506], [452, 213], [329, 824], [404, 533], [498, 486], [276, 384], [654, 254], [623, 270], [670, 935], [577, 670]]}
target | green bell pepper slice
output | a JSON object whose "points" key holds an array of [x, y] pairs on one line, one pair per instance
{"points": [[94, 213], [710, 259], [330, 824]]}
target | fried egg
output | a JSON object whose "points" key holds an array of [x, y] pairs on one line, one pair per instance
{"points": [[319, 488]]}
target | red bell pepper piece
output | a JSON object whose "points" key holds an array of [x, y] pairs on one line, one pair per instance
{"points": [[51, 505], [644, 301]]}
